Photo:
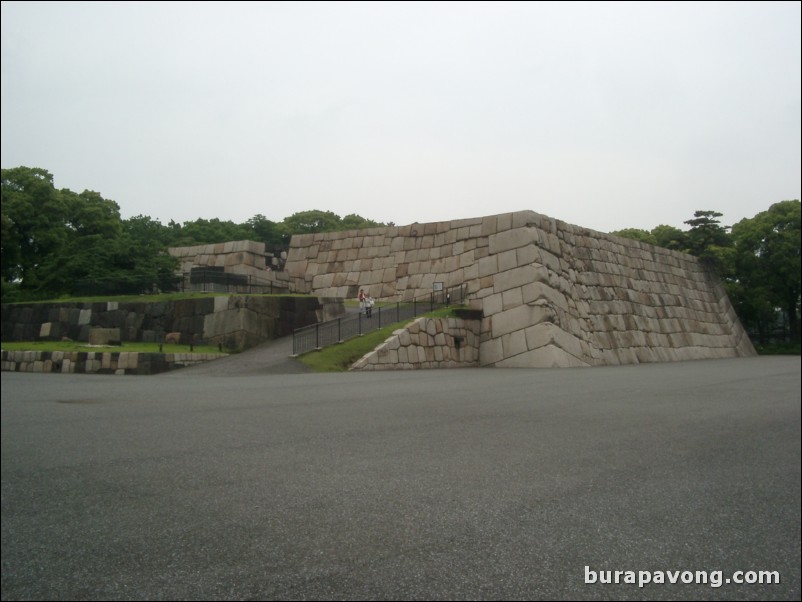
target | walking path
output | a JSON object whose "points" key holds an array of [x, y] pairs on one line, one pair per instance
{"points": [[273, 357]]}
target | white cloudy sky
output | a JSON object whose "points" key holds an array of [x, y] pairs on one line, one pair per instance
{"points": [[605, 115]]}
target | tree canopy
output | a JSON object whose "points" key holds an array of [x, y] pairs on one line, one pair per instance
{"points": [[767, 266], [58, 242]]}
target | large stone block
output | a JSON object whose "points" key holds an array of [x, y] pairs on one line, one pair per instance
{"points": [[514, 343], [512, 298], [104, 336], [544, 357], [511, 320], [512, 239], [515, 278], [535, 290], [507, 260], [84, 317]]}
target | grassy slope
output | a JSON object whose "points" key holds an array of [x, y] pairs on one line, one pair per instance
{"points": [[338, 358]]}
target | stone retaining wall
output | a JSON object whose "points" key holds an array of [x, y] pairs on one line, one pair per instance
{"points": [[552, 294], [239, 257], [100, 362], [235, 321], [243, 257], [427, 343]]}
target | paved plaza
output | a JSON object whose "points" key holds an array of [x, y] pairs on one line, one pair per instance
{"points": [[464, 484]]}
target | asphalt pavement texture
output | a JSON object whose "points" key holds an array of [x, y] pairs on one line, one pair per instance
{"points": [[221, 483]]}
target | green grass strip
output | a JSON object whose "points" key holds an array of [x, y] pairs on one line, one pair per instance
{"points": [[339, 357]]}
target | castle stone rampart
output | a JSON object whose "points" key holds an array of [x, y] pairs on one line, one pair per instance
{"points": [[552, 294], [235, 321], [239, 257]]}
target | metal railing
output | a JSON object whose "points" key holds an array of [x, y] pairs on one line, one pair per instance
{"points": [[320, 335]]}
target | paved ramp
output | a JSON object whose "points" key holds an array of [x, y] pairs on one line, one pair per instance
{"points": [[272, 357]]}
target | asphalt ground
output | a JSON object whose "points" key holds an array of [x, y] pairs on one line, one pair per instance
{"points": [[432, 484]]}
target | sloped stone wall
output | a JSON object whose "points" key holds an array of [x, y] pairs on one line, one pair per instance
{"points": [[552, 294], [562, 295], [426, 343]]}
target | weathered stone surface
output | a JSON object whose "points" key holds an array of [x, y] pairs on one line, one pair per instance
{"points": [[104, 336], [426, 343], [100, 363], [234, 321], [511, 239]]}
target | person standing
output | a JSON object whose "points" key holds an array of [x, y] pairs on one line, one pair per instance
{"points": [[362, 298]]}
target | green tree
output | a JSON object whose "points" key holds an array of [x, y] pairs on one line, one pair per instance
{"points": [[10, 252], [353, 221], [209, 231], [34, 218], [636, 234], [305, 222], [316, 220], [58, 242], [89, 213], [145, 230], [707, 238], [767, 266], [266, 231], [670, 237]]}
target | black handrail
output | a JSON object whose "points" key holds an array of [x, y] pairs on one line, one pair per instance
{"points": [[323, 334]]}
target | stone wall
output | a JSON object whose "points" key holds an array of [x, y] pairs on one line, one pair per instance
{"points": [[552, 294], [427, 343], [236, 322], [242, 257], [100, 362], [400, 263]]}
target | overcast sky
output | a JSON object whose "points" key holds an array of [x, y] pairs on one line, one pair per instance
{"points": [[604, 115]]}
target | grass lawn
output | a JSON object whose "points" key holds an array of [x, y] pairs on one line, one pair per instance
{"points": [[338, 358]]}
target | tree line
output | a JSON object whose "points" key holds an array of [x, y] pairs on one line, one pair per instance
{"points": [[59, 243]]}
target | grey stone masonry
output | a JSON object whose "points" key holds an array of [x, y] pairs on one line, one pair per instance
{"points": [[552, 294], [233, 321], [99, 362], [426, 343], [242, 257], [238, 256]]}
